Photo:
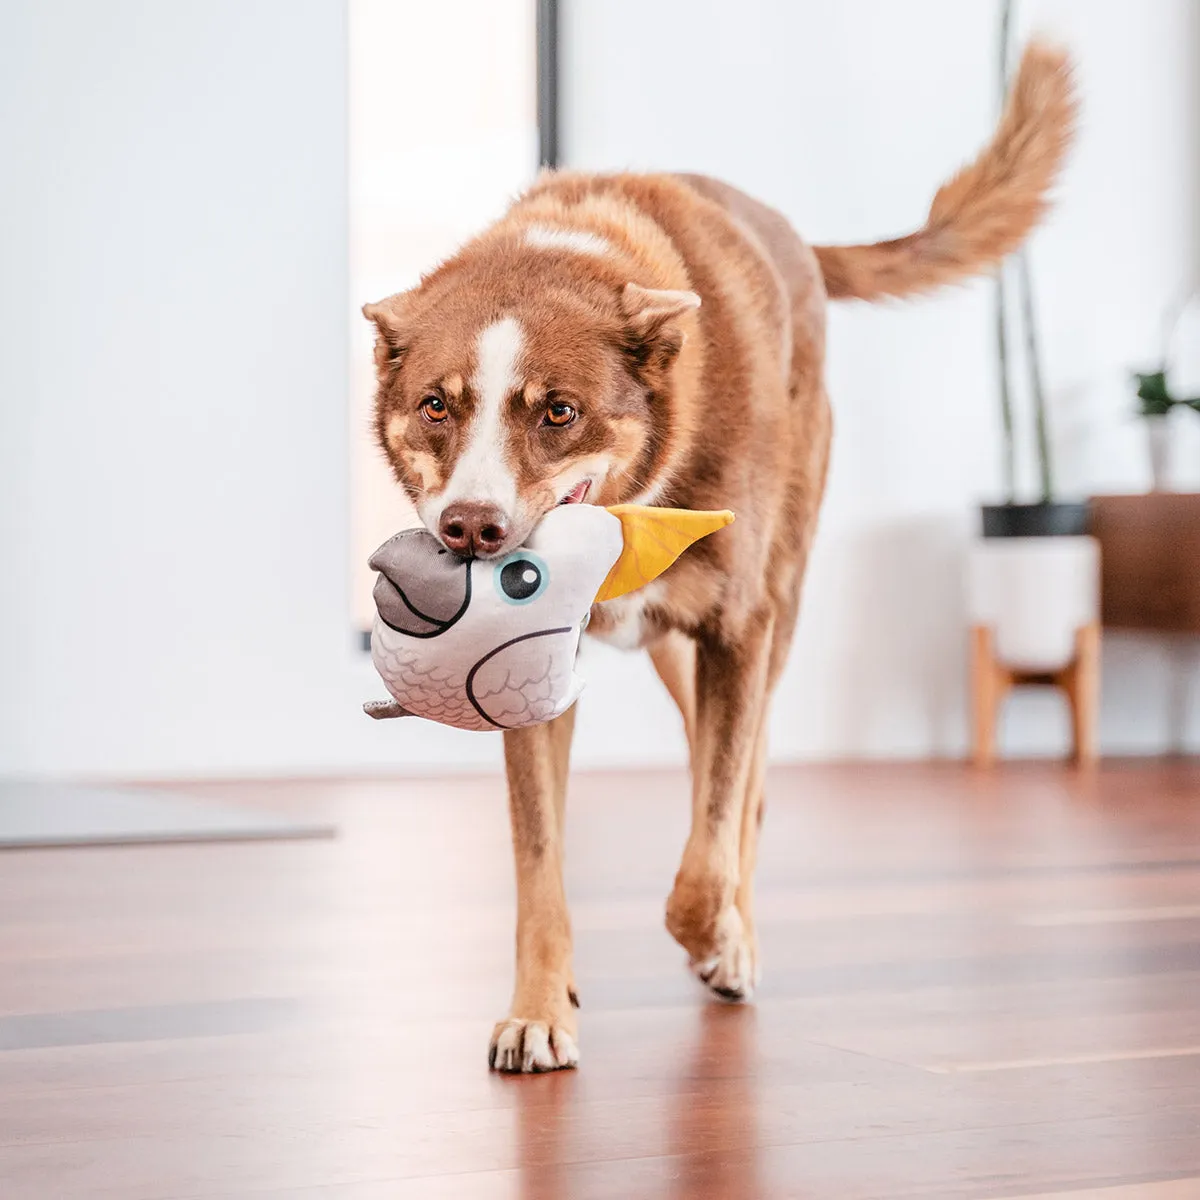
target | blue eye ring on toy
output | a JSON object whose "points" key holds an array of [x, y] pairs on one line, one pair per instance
{"points": [[521, 577]]}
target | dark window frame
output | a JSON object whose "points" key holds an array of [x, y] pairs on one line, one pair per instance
{"points": [[547, 82]]}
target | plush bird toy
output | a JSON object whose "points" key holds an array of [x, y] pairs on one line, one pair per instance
{"points": [[491, 643]]}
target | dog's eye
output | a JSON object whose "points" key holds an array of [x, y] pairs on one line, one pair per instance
{"points": [[433, 408], [521, 577], [558, 413]]}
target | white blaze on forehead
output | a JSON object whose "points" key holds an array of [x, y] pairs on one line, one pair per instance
{"points": [[546, 237], [482, 473], [496, 355]]}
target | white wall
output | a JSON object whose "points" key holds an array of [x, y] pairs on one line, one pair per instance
{"points": [[174, 448], [846, 116], [173, 381]]}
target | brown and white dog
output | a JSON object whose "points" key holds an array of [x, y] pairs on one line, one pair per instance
{"points": [[660, 339]]}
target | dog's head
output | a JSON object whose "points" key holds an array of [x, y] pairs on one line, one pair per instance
{"points": [[509, 383]]}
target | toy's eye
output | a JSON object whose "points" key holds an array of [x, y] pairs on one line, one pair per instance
{"points": [[521, 577], [433, 408], [559, 413]]}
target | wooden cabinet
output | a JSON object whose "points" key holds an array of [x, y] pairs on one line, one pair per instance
{"points": [[1149, 561]]}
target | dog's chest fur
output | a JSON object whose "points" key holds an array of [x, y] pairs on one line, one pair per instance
{"points": [[622, 622]]}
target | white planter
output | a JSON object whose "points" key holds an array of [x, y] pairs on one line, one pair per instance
{"points": [[1158, 442], [1034, 594]]}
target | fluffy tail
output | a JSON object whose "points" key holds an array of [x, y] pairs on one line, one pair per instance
{"points": [[988, 209]]}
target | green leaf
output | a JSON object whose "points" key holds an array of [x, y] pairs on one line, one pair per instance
{"points": [[1154, 394]]}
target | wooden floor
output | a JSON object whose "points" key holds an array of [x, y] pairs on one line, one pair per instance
{"points": [[976, 986]]}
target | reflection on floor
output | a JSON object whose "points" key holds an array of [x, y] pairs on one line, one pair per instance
{"points": [[67, 814], [977, 986]]}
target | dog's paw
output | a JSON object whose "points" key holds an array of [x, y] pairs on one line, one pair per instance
{"points": [[722, 951], [693, 907], [521, 1046], [701, 915], [733, 971]]}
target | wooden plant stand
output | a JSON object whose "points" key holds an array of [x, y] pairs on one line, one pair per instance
{"points": [[991, 681]]}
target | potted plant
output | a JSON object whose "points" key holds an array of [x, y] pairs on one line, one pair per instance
{"points": [[1033, 578], [1047, 516], [1156, 403]]}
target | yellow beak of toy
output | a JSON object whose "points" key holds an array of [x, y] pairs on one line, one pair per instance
{"points": [[654, 539]]}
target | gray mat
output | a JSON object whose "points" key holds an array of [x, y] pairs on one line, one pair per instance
{"points": [[63, 814]]}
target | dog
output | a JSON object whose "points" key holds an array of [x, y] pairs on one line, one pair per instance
{"points": [[660, 339]]}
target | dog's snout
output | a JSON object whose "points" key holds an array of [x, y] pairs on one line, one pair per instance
{"points": [[471, 529]]}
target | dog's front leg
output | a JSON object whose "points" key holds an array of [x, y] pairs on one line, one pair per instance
{"points": [[539, 1032], [702, 911]]}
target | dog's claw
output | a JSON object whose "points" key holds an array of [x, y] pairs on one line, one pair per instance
{"points": [[733, 995], [530, 1047], [732, 971]]}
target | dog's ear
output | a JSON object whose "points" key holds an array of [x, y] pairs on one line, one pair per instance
{"points": [[652, 334], [390, 318]]}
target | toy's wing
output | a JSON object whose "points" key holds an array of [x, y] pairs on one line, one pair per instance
{"points": [[421, 686], [526, 681]]}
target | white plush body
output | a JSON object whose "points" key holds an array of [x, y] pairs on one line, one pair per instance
{"points": [[489, 643]]}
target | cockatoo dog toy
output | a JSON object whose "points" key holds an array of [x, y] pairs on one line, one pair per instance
{"points": [[491, 643]]}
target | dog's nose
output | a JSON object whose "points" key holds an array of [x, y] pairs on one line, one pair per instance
{"points": [[470, 528]]}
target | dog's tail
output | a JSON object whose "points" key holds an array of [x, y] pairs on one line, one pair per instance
{"points": [[987, 210]]}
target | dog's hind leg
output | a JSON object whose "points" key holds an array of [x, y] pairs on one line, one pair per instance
{"points": [[702, 912], [540, 1031], [755, 804], [752, 815]]}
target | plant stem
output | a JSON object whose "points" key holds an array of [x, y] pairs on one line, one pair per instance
{"points": [[1005, 22], [1006, 408], [1045, 473]]}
